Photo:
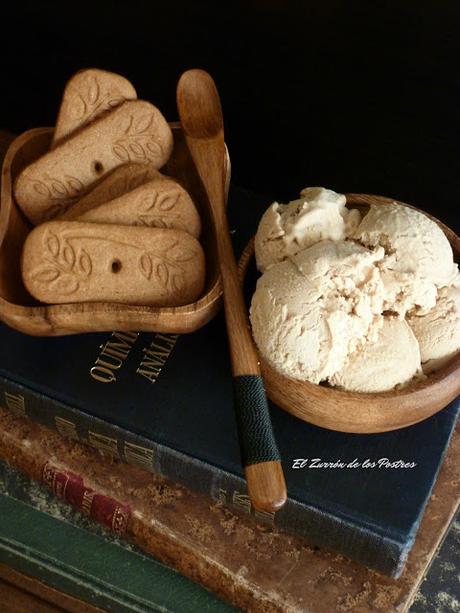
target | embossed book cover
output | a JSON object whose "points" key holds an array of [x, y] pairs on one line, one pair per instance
{"points": [[165, 402]]}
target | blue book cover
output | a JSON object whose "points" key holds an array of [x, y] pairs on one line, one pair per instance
{"points": [[165, 402]]}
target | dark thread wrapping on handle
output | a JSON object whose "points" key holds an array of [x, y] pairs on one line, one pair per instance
{"points": [[257, 442]]}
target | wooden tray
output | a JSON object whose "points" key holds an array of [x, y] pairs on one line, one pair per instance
{"points": [[336, 409], [20, 311]]}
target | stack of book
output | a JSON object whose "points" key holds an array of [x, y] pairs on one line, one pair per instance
{"points": [[249, 564], [164, 403], [160, 406]]}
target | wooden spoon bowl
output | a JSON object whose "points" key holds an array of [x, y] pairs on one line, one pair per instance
{"points": [[344, 411], [20, 311]]}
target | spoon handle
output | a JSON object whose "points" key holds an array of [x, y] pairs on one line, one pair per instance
{"points": [[200, 112], [259, 452]]}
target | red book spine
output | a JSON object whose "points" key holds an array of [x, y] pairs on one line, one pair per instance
{"points": [[72, 488]]}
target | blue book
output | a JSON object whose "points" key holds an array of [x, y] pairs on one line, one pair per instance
{"points": [[165, 403]]}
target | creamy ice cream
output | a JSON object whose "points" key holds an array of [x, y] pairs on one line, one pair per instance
{"points": [[359, 305], [308, 313], [382, 363], [438, 331], [286, 229], [419, 257], [405, 291]]}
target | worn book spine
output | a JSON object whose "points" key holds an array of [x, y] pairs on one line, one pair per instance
{"points": [[355, 539], [131, 448], [47, 539]]}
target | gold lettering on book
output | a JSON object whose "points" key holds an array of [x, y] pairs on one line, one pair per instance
{"points": [[87, 502], [105, 444], [103, 375], [242, 501], [265, 516], [222, 495], [136, 454], [156, 355], [15, 403], [66, 427], [113, 354]]}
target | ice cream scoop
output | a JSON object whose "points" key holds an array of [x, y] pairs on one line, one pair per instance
{"points": [[438, 331], [286, 229], [308, 313], [392, 358], [419, 258]]}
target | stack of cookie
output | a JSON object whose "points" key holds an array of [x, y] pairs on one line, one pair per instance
{"points": [[120, 231]]}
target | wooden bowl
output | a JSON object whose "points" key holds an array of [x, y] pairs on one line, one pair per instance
{"points": [[20, 311], [344, 411]]}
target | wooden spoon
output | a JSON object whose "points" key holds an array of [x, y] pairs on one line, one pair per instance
{"points": [[200, 113]]}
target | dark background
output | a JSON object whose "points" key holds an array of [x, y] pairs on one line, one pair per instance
{"points": [[356, 96]]}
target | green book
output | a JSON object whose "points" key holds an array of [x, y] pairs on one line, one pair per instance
{"points": [[47, 539]]}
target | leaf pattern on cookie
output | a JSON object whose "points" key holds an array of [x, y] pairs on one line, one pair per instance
{"points": [[143, 123], [146, 266], [157, 210], [178, 282], [166, 265], [162, 273], [138, 143], [52, 244], [67, 188], [120, 152], [47, 275], [94, 91], [94, 101], [66, 266], [61, 193], [63, 268], [84, 263]]}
